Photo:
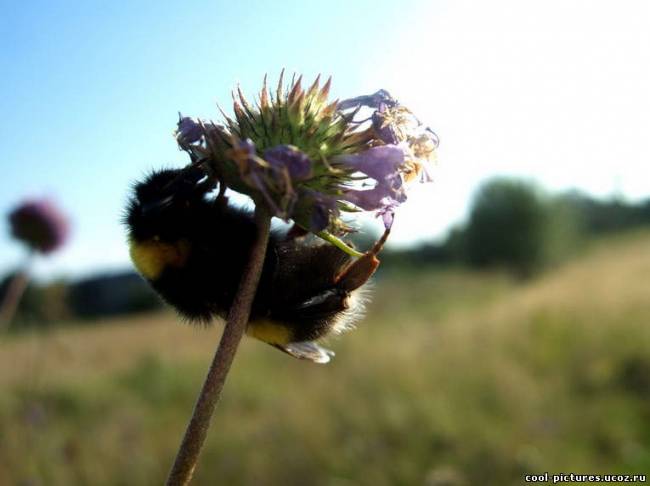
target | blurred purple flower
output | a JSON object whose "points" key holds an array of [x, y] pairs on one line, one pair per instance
{"points": [[297, 163], [188, 130], [40, 225]]}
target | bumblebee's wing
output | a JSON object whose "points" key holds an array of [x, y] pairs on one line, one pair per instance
{"points": [[308, 350]]}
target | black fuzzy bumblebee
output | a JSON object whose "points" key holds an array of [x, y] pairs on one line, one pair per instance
{"points": [[192, 248]]}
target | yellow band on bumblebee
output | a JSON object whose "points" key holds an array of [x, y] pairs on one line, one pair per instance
{"points": [[151, 257], [269, 332]]}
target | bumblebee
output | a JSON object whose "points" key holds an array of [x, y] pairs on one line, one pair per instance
{"points": [[192, 246]]}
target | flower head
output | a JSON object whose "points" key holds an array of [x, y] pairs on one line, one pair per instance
{"points": [[310, 160], [40, 225]]}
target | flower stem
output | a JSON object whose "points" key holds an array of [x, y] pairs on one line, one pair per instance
{"points": [[339, 243], [188, 453]]}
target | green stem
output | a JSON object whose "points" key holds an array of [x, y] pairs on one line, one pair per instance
{"points": [[339, 243], [190, 448]]}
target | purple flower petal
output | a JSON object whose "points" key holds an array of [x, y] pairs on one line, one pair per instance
{"points": [[244, 155], [296, 162], [272, 177], [377, 197], [189, 130], [320, 219], [387, 214], [377, 162], [321, 208], [39, 224], [381, 198], [382, 164], [247, 146], [369, 200]]}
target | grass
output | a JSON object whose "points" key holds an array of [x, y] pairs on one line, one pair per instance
{"points": [[454, 378]]}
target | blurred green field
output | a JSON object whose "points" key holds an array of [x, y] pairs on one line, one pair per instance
{"points": [[454, 378]]}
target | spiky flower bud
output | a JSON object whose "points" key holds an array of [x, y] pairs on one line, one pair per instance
{"points": [[40, 225], [310, 160]]}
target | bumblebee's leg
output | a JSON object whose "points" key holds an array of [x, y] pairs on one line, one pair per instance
{"points": [[359, 271]]}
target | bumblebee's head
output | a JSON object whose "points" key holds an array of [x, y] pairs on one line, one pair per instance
{"points": [[160, 205], [159, 217]]}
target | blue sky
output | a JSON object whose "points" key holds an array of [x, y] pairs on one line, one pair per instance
{"points": [[556, 92]]}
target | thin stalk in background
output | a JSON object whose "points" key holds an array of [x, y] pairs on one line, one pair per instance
{"points": [[15, 290]]}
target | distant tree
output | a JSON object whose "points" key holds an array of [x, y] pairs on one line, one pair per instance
{"points": [[455, 245], [507, 226], [606, 216]]}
